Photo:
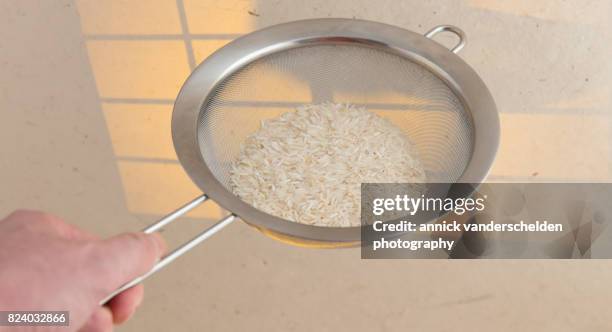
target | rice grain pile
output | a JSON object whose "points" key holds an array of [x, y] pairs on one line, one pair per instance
{"points": [[307, 166]]}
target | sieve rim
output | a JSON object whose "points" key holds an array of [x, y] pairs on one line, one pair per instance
{"points": [[197, 90]]}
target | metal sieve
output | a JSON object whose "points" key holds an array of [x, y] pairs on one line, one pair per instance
{"points": [[419, 85]]}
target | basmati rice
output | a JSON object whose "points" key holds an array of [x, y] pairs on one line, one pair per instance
{"points": [[307, 166]]}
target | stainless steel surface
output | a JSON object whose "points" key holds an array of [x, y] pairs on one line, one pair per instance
{"points": [[453, 29], [175, 214], [443, 105], [178, 251]]}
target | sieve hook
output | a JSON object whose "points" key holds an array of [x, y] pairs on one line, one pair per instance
{"points": [[181, 249], [453, 29]]}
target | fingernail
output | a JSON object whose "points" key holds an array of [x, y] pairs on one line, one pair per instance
{"points": [[138, 302]]}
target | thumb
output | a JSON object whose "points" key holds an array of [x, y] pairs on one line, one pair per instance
{"points": [[127, 256]]}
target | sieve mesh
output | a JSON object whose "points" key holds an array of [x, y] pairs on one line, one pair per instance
{"points": [[394, 87]]}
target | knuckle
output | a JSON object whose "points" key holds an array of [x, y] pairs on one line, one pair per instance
{"points": [[24, 215], [136, 238], [48, 219], [36, 221], [144, 246]]}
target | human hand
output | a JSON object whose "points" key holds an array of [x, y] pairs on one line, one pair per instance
{"points": [[49, 265]]}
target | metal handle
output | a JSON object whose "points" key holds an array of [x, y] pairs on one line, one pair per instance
{"points": [[181, 249], [453, 29]]}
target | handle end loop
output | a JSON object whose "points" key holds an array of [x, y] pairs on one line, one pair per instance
{"points": [[451, 28]]}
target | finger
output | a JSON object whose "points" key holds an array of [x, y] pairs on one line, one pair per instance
{"points": [[72, 232], [124, 304], [125, 257], [100, 321], [161, 243]]}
